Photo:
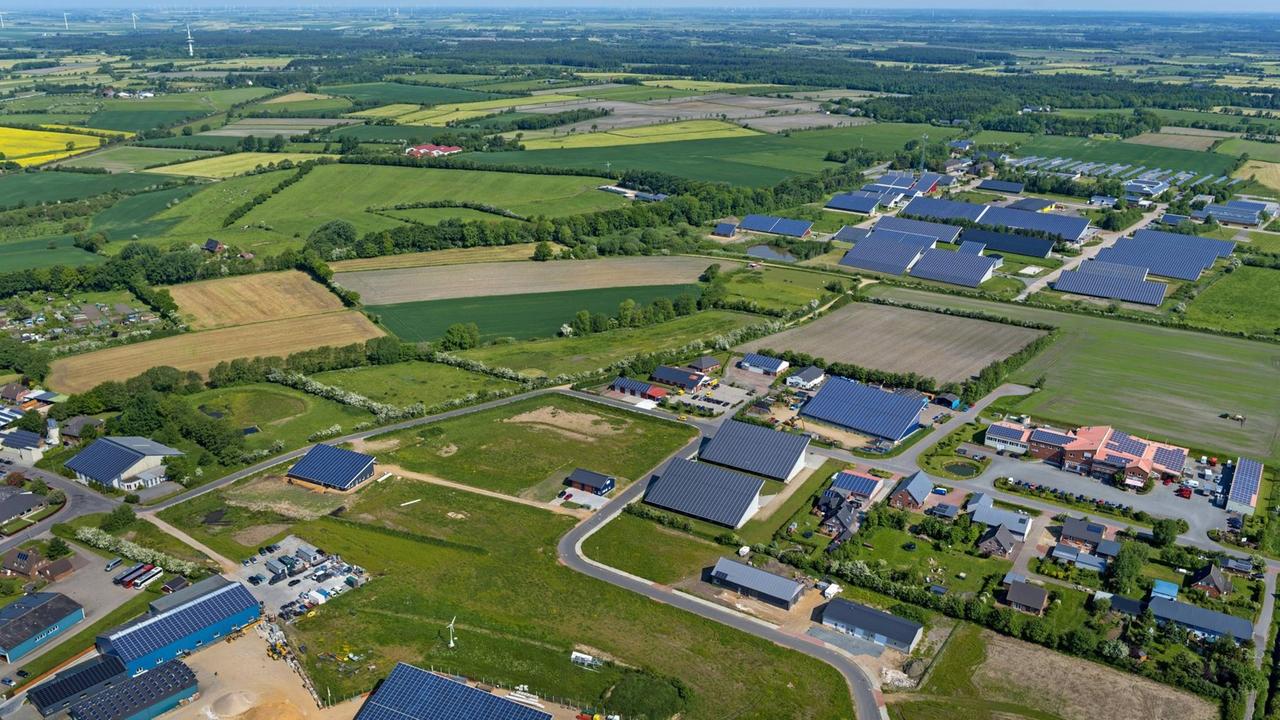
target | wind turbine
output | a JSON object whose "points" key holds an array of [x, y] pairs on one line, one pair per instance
{"points": [[191, 43], [65, 26], [451, 622], [1, 21], [135, 21]]}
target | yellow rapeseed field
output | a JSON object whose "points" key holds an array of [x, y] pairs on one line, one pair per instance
{"points": [[33, 147]]}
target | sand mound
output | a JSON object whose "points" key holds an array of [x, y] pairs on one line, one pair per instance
{"points": [[234, 703], [273, 711]]}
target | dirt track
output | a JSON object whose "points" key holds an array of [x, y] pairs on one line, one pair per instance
{"points": [[384, 287]]}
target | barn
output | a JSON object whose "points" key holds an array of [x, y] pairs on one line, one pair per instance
{"points": [[756, 583], [756, 449], [333, 468], [590, 481], [706, 492]]}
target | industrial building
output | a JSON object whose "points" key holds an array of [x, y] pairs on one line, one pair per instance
{"points": [[755, 583], [33, 620], [1100, 451], [706, 492], [771, 225], [1245, 481], [411, 693], [124, 463], [871, 624], [141, 697], [866, 409], [763, 364], [181, 623], [333, 468], [637, 388], [1097, 278], [756, 449], [76, 683]]}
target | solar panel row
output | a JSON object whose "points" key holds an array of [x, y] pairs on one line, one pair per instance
{"points": [[944, 209], [775, 225], [1142, 292], [879, 253], [1004, 432], [938, 231], [956, 268], [1010, 242]]}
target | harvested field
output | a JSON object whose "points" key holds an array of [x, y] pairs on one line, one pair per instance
{"points": [[270, 127], [225, 166], [272, 493], [445, 113], [943, 347], [802, 121], [252, 298], [1174, 140], [1175, 130], [666, 132], [385, 287], [455, 256], [202, 350], [296, 97], [1266, 173]]}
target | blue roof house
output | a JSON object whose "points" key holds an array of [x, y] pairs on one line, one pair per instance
{"points": [[125, 463], [1164, 589]]}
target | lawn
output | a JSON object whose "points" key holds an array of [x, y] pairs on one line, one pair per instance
{"points": [[1266, 152], [411, 382], [557, 356], [294, 210], [761, 160], [645, 548], [516, 316], [37, 253], [42, 187], [129, 158], [225, 166], [240, 528], [1115, 151], [528, 447], [1245, 300], [280, 413], [665, 132], [390, 92], [508, 594], [887, 547], [1162, 383], [777, 288], [1265, 241]]}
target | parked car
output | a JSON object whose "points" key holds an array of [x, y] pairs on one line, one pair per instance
{"points": [[294, 582]]}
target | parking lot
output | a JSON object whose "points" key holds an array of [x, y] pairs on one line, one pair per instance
{"points": [[721, 399], [326, 576]]}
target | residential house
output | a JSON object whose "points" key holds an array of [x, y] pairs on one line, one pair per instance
{"points": [[75, 429], [871, 624], [24, 562], [1082, 534], [213, 246], [1026, 597], [984, 512], [911, 492], [1212, 581], [997, 541]]}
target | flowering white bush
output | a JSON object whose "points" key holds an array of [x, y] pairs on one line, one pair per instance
{"points": [[384, 411], [103, 540]]}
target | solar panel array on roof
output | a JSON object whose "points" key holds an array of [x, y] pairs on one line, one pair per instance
{"points": [[1172, 458], [31, 615], [1226, 213], [103, 460], [725, 229], [1004, 432], [897, 179], [756, 449], [851, 234], [1063, 226], [131, 697], [333, 467], [857, 201], [626, 384], [956, 268], [705, 491], [881, 254], [410, 693], [1004, 186], [1050, 437], [150, 633], [943, 209], [1245, 481], [1031, 204], [1183, 257], [1126, 443], [66, 686], [1220, 248], [1010, 242], [1142, 292], [775, 225], [21, 440], [866, 409], [938, 231], [971, 248], [847, 483]]}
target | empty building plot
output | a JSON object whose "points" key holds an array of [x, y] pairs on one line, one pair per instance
{"points": [[947, 210], [955, 268], [938, 231], [776, 225], [1114, 282], [706, 492], [1010, 242], [885, 253], [756, 449], [1184, 257]]}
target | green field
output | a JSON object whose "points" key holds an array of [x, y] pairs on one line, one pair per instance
{"points": [[389, 92], [1265, 241], [225, 166], [1179, 117], [1269, 152], [315, 105], [295, 211], [434, 216], [517, 316], [492, 565], [411, 382], [204, 142], [129, 158], [200, 216], [389, 133], [36, 253], [645, 548], [32, 188], [279, 413], [1245, 300], [136, 115], [762, 160], [528, 447], [142, 532], [558, 356], [780, 288], [634, 93], [1115, 151], [1162, 383]]}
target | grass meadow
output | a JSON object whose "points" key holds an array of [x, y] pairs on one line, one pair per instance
{"points": [[516, 316], [280, 413], [44, 252], [411, 382], [130, 158], [35, 188], [1244, 300]]}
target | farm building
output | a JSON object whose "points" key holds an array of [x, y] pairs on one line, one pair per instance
{"points": [[683, 378], [637, 388], [333, 468], [1212, 581], [33, 620], [1002, 186], [1032, 204], [886, 252], [725, 230], [124, 463], [1010, 242], [942, 209], [851, 234], [1246, 480], [705, 364], [1233, 212], [807, 378], [1183, 257], [954, 268], [984, 512], [1209, 625], [1105, 201], [755, 583], [1069, 228], [939, 232], [141, 697], [865, 409], [997, 541], [763, 364], [707, 492], [756, 449], [590, 481], [911, 491], [410, 693], [1026, 597], [771, 225], [76, 683], [1141, 187], [1126, 283], [1164, 590], [871, 624], [181, 623], [430, 150], [860, 201]]}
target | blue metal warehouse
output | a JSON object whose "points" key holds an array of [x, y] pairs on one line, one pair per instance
{"points": [[181, 624], [33, 620], [410, 693], [142, 697], [333, 467]]}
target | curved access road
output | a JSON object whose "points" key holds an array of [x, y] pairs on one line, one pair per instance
{"points": [[569, 549]]}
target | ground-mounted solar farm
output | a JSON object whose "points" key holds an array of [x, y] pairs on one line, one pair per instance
{"points": [[666, 365]]}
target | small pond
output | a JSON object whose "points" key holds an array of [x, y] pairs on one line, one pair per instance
{"points": [[960, 469], [768, 252]]}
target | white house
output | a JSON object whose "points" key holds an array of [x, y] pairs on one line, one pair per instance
{"points": [[807, 379], [126, 463]]}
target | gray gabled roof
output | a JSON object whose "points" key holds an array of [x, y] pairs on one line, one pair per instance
{"points": [[756, 449], [1082, 530], [1198, 618], [810, 374], [31, 615], [757, 580], [855, 615], [1024, 593], [917, 484], [704, 491], [1001, 535], [1212, 576]]}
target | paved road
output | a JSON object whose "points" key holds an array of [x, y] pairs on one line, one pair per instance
{"points": [[80, 501], [1260, 631], [1070, 263]]}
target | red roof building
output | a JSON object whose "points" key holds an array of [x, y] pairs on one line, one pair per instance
{"points": [[1097, 450], [430, 150]]}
